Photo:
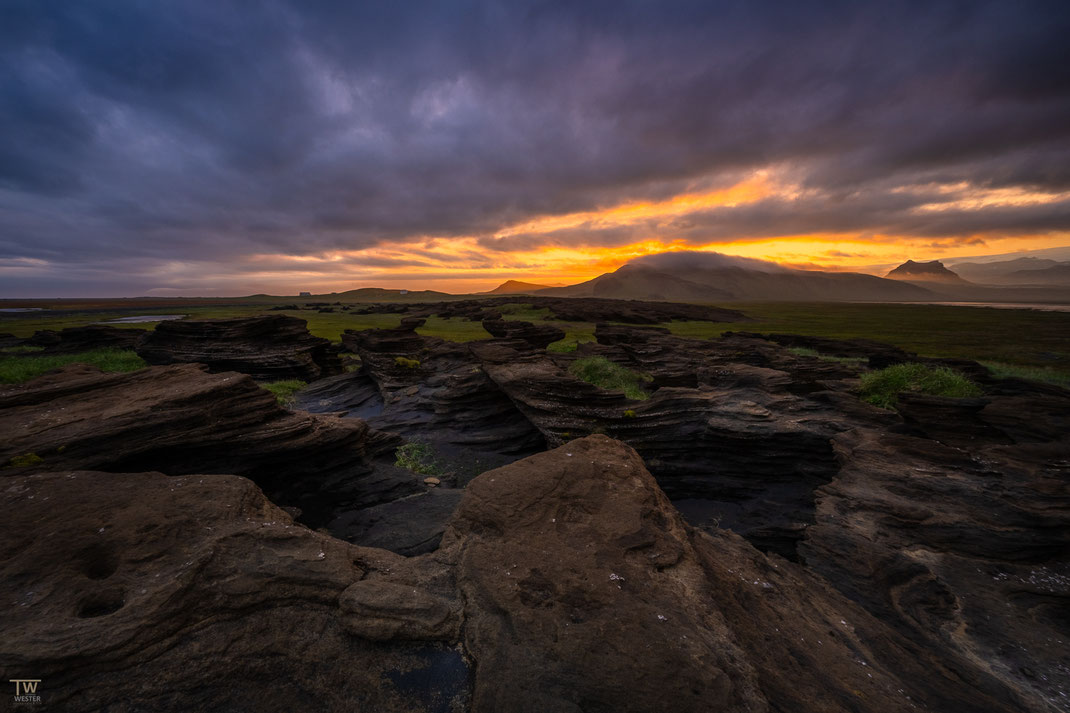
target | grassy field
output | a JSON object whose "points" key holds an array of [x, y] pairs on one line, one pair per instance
{"points": [[1008, 339], [15, 369]]}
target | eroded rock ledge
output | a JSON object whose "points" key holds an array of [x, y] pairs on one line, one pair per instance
{"points": [[566, 582]]}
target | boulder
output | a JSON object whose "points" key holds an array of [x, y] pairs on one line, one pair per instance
{"points": [[269, 347]]}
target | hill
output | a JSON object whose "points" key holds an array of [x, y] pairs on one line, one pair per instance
{"points": [[710, 277], [1021, 271], [510, 287], [932, 271]]}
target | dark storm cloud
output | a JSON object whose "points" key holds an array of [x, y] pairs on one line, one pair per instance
{"points": [[211, 131]]}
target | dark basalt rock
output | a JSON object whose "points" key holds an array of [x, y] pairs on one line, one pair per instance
{"points": [[965, 552], [180, 419], [538, 336], [269, 348], [566, 309], [151, 592], [430, 388], [82, 339], [565, 582]]}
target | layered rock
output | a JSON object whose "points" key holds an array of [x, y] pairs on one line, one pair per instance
{"points": [[539, 336], [72, 340], [427, 387], [570, 309], [966, 552], [268, 348], [565, 582], [181, 419], [151, 592]]}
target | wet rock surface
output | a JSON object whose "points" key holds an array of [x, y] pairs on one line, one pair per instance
{"points": [[269, 348]]}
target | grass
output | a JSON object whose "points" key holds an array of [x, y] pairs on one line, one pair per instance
{"points": [[1032, 373], [419, 457], [25, 459], [407, 363], [606, 375], [808, 352], [284, 390], [882, 387], [571, 340], [455, 329], [22, 350], [18, 369], [524, 312], [1007, 336]]}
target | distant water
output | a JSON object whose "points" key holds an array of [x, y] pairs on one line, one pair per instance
{"points": [[144, 318], [22, 309], [1039, 306]]}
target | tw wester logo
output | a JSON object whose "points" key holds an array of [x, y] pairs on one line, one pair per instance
{"points": [[26, 690]]}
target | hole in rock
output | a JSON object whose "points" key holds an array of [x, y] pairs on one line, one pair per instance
{"points": [[98, 561], [101, 604]]}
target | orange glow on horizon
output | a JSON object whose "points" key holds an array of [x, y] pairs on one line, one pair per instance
{"points": [[465, 264]]}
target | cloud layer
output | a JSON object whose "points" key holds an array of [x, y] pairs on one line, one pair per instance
{"points": [[211, 146]]}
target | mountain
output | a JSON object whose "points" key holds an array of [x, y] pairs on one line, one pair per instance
{"points": [[710, 277], [510, 287], [1021, 271], [933, 271], [1058, 274], [632, 282]]}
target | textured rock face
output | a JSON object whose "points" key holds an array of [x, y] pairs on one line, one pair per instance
{"points": [[538, 336], [566, 582], [572, 309], [269, 348], [136, 592], [81, 339], [428, 387], [180, 419], [964, 551]]}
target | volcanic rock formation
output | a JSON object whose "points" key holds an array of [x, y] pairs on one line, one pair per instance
{"points": [[269, 348], [565, 582], [180, 419], [72, 340]]}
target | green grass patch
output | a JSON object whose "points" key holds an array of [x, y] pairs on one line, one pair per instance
{"points": [[25, 459], [572, 340], [18, 369], [808, 352], [882, 387], [407, 363], [419, 457], [605, 374], [22, 350], [524, 312], [1017, 337], [284, 390], [1032, 373], [454, 329]]}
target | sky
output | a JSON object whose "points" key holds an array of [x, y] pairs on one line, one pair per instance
{"points": [[223, 148]]}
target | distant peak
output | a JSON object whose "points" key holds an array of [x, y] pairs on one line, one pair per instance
{"points": [[516, 286], [931, 270]]}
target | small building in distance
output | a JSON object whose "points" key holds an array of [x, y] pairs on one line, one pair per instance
{"points": [[305, 294], [403, 292]]}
